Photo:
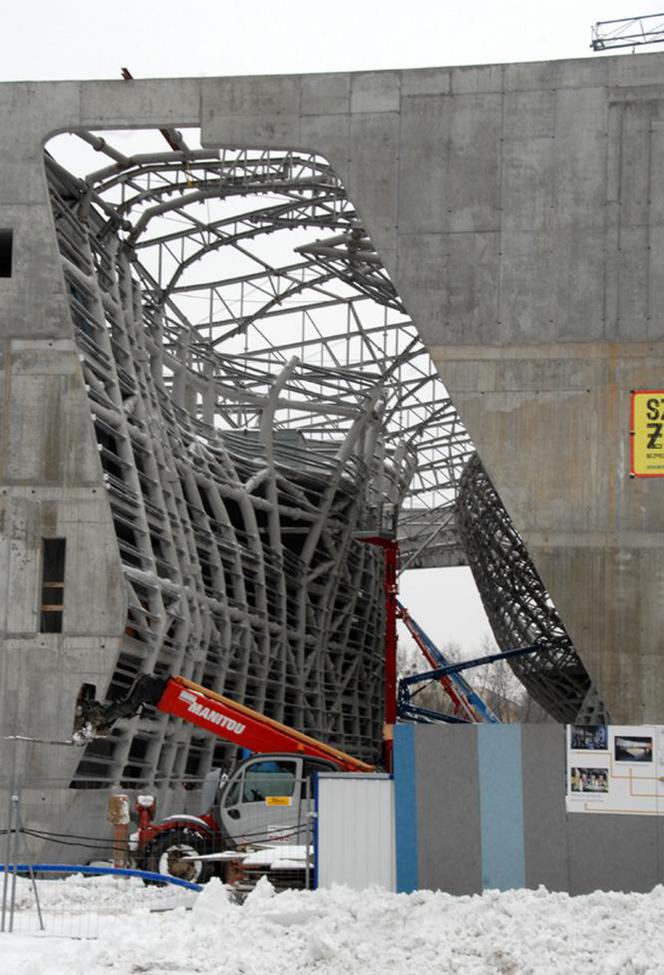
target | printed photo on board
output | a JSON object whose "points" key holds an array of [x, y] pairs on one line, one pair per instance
{"points": [[590, 780], [592, 737], [632, 749]]}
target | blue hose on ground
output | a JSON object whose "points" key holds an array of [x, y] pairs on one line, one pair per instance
{"points": [[98, 871]]}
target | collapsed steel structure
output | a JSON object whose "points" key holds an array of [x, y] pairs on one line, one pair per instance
{"points": [[257, 407], [518, 606]]}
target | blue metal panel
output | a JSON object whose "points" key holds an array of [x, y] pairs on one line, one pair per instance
{"points": [[405, 808], [501, 806]]}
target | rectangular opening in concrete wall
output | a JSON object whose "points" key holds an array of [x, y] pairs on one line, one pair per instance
{"points": [[53, 585], [6, 247]]}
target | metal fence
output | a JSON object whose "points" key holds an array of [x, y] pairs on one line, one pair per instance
{"points": [[57, 873], [34, 902]]}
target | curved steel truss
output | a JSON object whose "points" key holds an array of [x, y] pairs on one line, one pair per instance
{"points": [[519, 608], [256, 406], [248, 259]]}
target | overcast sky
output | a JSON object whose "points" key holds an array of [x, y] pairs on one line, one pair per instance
{"points": [[42, 39]]}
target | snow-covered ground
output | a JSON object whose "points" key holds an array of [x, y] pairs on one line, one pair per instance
{"points": [[337, 931]]}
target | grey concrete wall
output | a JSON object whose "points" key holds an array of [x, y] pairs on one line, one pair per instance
{"points": [[50, 476]]}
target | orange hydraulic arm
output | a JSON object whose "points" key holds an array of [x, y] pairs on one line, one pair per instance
{"points": [[212, 712]]}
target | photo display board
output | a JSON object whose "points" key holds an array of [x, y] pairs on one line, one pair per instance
{"points": [[615, 769]]}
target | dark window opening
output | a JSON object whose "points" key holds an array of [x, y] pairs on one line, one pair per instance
{"points": [[126, 536], [139, 749], [6, 247], [234, 513], [109, 452], [124, 676], [194, 758], [53, 585]]}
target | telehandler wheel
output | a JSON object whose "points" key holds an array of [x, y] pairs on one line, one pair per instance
{"points": [[168, 854]]}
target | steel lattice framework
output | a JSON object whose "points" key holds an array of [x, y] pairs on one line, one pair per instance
{"points": [[245, 280], [256, 406], [519, 608]]}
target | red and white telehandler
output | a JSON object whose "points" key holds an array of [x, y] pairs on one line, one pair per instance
{"points": [[265, 799]]}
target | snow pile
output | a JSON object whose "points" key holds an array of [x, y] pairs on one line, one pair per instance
{"points": [[342, 931], [278, 857], [102, 895]]}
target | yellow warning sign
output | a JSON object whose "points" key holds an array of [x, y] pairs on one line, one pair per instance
{"points": [[278, 801], [647, 433]]}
